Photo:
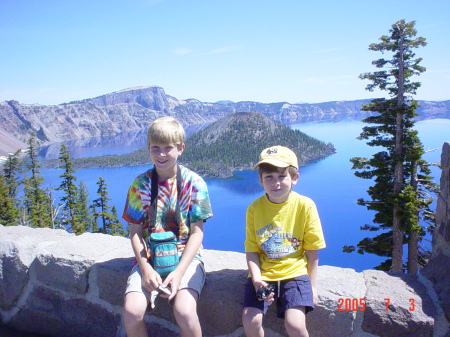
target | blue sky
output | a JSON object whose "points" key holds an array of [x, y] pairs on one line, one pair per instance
{"points": [[266, 51]]}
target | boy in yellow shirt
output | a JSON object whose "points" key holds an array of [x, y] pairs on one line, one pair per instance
{"points": [[283, 235]]}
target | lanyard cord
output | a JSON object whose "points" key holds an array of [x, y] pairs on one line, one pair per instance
{"points": [[154, 200]]}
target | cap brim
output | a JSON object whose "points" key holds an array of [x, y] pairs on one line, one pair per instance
{"points": [[276, 163]]}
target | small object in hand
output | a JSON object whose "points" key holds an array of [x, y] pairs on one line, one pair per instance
{"points": [[153, 296], [165, 290], [264, 292]]}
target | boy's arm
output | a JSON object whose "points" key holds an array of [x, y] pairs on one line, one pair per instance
{"points": [[150, 278], [252, 257], [255, 272], [189, 252], [253, 267], [313, 262]]}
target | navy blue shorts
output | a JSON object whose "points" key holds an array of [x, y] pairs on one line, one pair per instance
{"points": [[288, 294]]}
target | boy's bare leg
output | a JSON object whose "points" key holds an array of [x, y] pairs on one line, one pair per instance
{"points": [[295, 322], [185, 311], [252, 319], [133, 314]]}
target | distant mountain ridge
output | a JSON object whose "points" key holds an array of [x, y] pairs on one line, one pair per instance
{"points": [[134, 108]]}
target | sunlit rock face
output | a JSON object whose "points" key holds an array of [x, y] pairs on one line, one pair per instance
{"points": [[437, 270]]}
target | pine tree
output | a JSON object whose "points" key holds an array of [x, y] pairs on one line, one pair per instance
{"points": [[83, 210], [8, 212], [9, 208], [108, 215], [397, 202], [37, 202], [114, 225], [70, 206], [12, 169]]}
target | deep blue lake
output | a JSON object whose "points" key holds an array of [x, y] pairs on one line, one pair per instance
{"points": [[330, 182]]}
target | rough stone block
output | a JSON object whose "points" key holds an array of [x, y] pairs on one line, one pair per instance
{"points": [[61, 272], [18, 248], [397, 305], [56, 314], [13, 275], [110, 278], [335, 286]]}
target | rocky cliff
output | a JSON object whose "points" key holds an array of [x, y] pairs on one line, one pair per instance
{"points": [[438, 268], [134, 108]]}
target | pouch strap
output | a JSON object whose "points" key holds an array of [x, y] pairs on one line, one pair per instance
{"points": [[154, 200]]}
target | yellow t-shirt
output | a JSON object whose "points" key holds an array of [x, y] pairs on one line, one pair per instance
{"points": [[280, 234]]}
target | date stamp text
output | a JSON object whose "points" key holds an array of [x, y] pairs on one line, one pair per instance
{"points": [[359, 304]]}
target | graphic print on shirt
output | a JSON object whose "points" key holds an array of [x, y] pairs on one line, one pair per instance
{"points": [[275, 243]]}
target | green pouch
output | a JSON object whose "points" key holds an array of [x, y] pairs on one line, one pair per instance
{"points": [[163, 252]]}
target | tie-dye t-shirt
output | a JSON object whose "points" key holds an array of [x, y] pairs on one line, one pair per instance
{"points": [[194, 202]]}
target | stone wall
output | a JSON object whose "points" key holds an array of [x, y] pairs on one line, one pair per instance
{"points": [[58, 284]]}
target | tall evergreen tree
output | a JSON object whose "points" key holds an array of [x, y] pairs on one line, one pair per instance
{"points": [[114, 225], [12, 169], [394, 197], [108, 215], [83, 210], [8, 212], [68, 186], [37, 202]]}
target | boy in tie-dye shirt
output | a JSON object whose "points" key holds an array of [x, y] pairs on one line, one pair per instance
{"points": [[165, 143]]}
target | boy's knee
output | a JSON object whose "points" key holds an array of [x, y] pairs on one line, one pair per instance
{"points": [[252, 323], [252, 317], [185, 313], [188, 321], [295, 328], [131, 313], [185, 304], [134, 307]]}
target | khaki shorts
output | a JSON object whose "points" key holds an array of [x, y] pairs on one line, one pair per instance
{"points": [[194, 278]]}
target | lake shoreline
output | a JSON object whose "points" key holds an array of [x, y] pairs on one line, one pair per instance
{"points": [[114, 161]]}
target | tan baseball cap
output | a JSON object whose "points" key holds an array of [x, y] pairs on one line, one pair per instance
{"points": [[278, 156]]}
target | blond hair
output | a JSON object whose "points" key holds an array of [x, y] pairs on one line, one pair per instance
{"points": [[165, 130]]}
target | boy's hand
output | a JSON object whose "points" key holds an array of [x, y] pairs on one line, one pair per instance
{"points": [[173, 280], [151, 280], [262, 284], [164, 290], [269, 298]]}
